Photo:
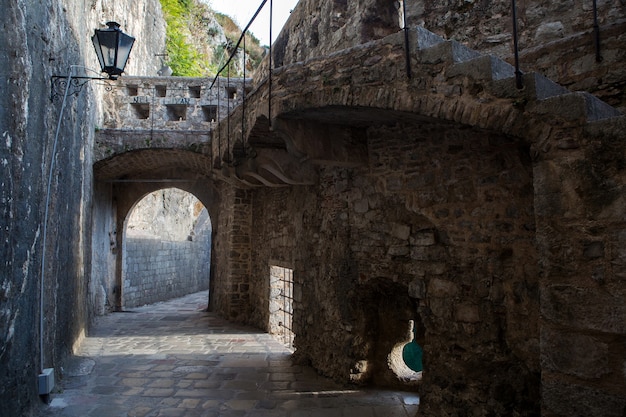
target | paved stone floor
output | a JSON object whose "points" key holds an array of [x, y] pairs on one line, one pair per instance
{"points": [[174, 359]]}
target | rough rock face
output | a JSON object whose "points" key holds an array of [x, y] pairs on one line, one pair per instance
{"points": [[169, 214], [45, 39]]}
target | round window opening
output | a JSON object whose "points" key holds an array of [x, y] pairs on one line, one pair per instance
{"points": [[405, 359]]}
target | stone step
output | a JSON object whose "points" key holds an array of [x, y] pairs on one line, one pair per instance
{"points": [[535, 87], [576, 106], [433, 48], [548, 96], [484, 68], [426, 38], [608, 127]]}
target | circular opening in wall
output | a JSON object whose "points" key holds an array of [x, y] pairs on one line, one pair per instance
{"points": [[405, 359]]}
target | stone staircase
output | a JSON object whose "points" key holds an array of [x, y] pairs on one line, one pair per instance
{"points": [[536, 88], [277, 165]]}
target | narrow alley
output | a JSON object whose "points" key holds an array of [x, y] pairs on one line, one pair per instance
{"points": [[175, 359]]}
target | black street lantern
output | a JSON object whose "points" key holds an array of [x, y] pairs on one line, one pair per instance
{"points": [[112, 48]]}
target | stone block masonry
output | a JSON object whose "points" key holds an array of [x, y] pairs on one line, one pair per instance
{"points": [[158, 270], [437, 227]]}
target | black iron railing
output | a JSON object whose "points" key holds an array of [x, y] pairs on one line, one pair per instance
{"points": [[226, 67]]}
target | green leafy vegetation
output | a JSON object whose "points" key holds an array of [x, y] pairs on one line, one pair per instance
{"points": [[189, 35]]}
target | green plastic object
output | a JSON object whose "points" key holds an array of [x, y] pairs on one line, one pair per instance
{"points": [[412, 355]]}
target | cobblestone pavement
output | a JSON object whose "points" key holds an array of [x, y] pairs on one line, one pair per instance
{"points": [[174, 359]]}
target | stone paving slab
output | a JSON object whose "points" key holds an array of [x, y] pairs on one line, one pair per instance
{"points": [[175, 359]]}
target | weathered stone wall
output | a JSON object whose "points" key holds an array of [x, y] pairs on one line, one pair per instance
{"points": [[484, 264], [105, 250], [171, 103], [581, 234], [230, 288], [47, 38], [437, 228], [278, 238], [158, 270], [555, 39]]}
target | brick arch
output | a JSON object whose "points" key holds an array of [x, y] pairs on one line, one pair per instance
{"points": [[126, 195]]}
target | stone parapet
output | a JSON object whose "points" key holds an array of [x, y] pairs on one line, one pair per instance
{"points": [[171, 103]]}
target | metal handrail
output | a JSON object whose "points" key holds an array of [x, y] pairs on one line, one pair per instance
{"points": [[406, 40], [596, 31], [243, 34], [518, 74], [226, 67]]}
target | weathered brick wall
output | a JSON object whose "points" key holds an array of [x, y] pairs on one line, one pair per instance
{"points": [[231, 284], [437, 228], [158, 270]]}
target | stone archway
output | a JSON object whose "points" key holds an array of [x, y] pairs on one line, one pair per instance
{"points": [[121, 181], [166, 248]]}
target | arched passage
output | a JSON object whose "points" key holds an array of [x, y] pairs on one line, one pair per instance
{"points": [[121, 182], [166, 248]]}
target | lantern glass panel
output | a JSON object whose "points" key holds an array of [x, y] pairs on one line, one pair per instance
{"points": [[96, 47], [108, 43], [125, 44]]}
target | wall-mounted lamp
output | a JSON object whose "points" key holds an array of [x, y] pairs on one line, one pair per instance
{"points": [[112, 48]]}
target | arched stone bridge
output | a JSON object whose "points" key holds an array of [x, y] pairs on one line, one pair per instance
{"points": [[171, 124], [336, 97]]}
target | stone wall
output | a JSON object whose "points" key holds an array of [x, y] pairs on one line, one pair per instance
{"points": [[171, 103], [581, 227], [555, 39], [158, 270], [230, 288], [48, 38], [438, 227]]}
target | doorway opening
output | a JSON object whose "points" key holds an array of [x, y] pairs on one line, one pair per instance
{"points": [[166, 248], [281, 305]]}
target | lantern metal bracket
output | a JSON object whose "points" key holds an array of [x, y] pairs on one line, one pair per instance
{"points": [[59, 84]]}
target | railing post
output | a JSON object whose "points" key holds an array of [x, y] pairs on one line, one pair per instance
{"points": [[518, 74], [219, 136], [596, 31], [243, 92], [269, 94], [228, 160], [406, 40]]}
